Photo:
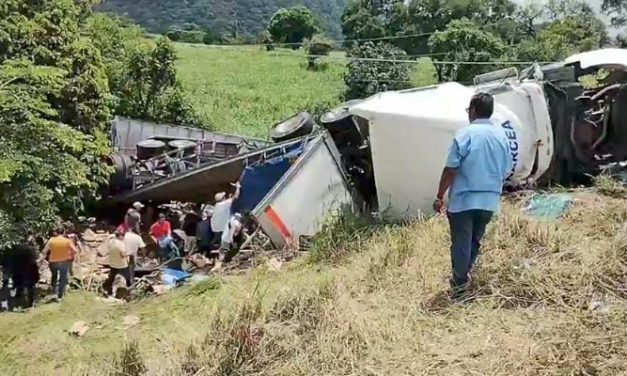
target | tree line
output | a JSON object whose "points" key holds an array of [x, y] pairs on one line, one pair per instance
{"points": [[64, 72], [240, 21], [465, 31]]}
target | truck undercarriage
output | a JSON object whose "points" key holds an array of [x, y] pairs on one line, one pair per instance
{"points": [[588, 109]]}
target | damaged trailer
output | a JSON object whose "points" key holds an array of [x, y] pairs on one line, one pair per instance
{"points": [[290, 188], [558, 130]]}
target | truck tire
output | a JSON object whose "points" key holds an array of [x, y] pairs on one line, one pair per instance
{"points": [[298, 125], [121, 178]]}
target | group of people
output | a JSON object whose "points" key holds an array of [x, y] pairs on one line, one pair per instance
{"points": [[215, 229], [20, 267]]}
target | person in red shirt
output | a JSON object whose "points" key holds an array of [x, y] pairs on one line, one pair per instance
{"points": [[161, 229]]}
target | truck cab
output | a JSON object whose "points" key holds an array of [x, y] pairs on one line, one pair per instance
{"points": [[585, 98]]}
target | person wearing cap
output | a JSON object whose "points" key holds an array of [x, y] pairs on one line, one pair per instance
{"points": [[222, 212], [133, 217], [118, 261]]}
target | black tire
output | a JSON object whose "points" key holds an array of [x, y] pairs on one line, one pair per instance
{"points": [[338, 113], [298, 125]]}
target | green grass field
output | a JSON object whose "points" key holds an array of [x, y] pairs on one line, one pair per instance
{"points": [[246, 90]]}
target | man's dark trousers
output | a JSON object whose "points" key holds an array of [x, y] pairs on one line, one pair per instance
{"points": [[467, 229]]}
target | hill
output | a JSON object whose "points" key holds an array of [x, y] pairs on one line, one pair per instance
{"points": [[550, 300], [249, 17]]}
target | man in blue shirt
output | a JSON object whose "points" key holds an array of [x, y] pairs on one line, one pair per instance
{"points": [[478, 164]]}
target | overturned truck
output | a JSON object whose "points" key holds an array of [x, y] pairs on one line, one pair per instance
{"points": [[559, 131], [385, 153]]}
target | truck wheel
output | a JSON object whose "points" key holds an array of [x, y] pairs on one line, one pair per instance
{"points": [[298, 125]]}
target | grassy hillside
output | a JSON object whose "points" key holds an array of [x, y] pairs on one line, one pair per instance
{"points": [[250, 16], [550, 301], [247, 90]]}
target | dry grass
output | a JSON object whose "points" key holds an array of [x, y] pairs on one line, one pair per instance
{"points": [[550, 300]]}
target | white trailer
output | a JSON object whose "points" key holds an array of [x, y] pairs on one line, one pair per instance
{"points": [[311, 191]]}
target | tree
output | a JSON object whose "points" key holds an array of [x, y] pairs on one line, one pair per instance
{"points": [[150, 90], [617, 10], [124, 50], [317, 47], [369, 19], [54, 115], [292, 25], [563, 37], [364, 78], [421, 18], [464, 41]]}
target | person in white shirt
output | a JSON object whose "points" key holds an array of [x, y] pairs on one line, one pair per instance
{"points": [[134, 243], [222, 212], [230, 236], [118, 260]]}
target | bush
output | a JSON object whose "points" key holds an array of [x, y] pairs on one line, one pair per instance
{"points": [[364, 78], [316, 47], [186, 36], [129, 362]]}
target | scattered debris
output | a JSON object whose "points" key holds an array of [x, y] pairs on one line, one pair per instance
{"points": [[110, 300], [274, 264], [78, 329], [549, 206], [159, 289], [171, 277]]}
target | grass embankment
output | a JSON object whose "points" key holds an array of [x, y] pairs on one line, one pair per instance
{"points": [[246, 90], [551, 301]]}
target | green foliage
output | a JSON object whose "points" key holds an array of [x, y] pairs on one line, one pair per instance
{"points": [[476, 30], [149, 89], [617, 10], [54, 114], [422, 17], [364, 19], [129, 362], [564, 37], [464, 41], [317, 47], [211, 37], [365, 77], [188, 36], [266, 39], [245, 18], [292, 25]]}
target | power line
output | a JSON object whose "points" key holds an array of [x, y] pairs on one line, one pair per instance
{"points": [[434, 62], [405, 61]]}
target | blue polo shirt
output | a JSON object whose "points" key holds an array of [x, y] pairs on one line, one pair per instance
{"points": [[480, 154]]}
